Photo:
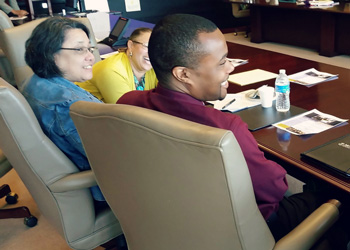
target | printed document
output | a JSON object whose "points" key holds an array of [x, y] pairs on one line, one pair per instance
{"points": [[311, 77], [311, 122]]}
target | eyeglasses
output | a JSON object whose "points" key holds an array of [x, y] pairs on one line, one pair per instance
{"points": [[145, 45], [83, 50]]}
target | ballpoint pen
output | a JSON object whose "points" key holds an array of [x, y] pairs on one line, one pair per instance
{"points": [[228, 104]]}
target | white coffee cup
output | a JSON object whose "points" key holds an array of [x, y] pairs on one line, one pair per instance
{"points": [[266, 94]]}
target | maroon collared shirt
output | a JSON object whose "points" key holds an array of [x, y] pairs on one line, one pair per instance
{"points": [[268, 178]]}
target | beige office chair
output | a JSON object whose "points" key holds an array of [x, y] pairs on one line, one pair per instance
{"points": [[175, 184], [12, 41], [5, 67], [59, 189], [5, 21]]}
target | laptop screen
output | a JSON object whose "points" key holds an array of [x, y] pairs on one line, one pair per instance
{"points": [[119, 28]]}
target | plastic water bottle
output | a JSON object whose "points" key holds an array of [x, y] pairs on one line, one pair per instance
{"points": [[282, 89]]}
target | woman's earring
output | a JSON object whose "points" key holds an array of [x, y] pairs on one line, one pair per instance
{"points": [[130, 54]]}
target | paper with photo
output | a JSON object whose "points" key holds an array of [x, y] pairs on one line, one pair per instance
{"points": [[310, 77], [311, 122], [251, 76]]}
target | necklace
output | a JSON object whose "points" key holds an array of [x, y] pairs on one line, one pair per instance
{"points": [[140, 85]]}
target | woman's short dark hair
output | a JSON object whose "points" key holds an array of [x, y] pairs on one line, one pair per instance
{"points": [[46, 40], [174, 42]]}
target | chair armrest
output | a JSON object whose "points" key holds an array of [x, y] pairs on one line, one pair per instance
{"points": [[79, 180], [311, 229], [5, 165], [237, 13]]}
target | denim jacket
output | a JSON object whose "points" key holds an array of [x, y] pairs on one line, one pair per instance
{"points": [[50, 100]]}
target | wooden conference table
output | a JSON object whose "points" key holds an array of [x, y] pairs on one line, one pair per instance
{"points": [[331, 97], [324, 30]]}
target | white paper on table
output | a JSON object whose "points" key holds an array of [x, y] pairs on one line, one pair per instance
{"points": [[237, 62], [310, 122], [241, 101], [100, 24], [311, 77], [100, 5], [251, 76], [132, 5], [15, 18]]}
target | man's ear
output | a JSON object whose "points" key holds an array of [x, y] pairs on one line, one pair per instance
{"points": [[182, 74]]}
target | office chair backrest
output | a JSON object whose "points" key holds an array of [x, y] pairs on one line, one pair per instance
{"points": [[5, 67], [5, 21], [12, 41], [40, 164], [173, 184]]}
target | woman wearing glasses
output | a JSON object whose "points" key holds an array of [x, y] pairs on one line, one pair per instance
{"points": [[59, 53], [128, 70]]}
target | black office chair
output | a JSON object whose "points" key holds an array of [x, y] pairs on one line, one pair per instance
{"points": [[11, 198], [31, 8], [242, 11]]}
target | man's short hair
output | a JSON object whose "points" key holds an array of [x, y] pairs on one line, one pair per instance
{"points": [[46, 40], [174, 42]]}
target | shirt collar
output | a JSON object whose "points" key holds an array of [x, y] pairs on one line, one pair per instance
{"points": [[181, 97]]}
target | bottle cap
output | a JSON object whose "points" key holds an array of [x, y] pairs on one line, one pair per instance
{"points": [[282, 71]]}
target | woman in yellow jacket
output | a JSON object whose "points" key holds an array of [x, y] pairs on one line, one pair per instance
{"points": [[123, 72]]}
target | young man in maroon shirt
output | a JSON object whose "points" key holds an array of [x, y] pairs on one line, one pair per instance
{"points": [[189, 56]]}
